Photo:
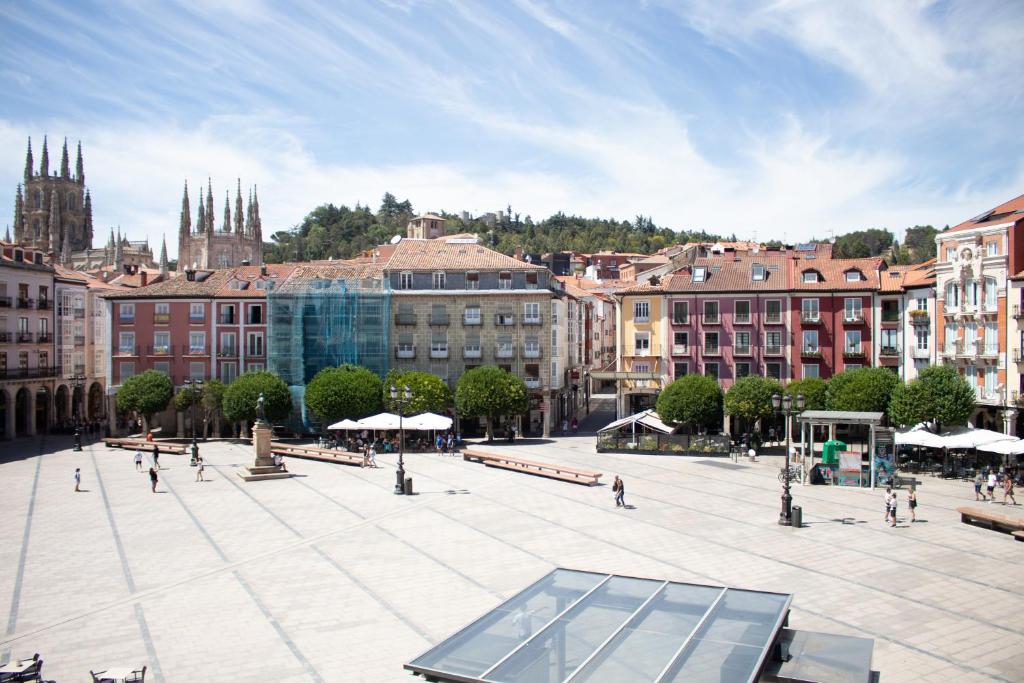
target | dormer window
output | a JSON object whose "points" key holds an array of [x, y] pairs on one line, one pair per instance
{"points": [[853, 276], [758, 272], [700, 274], [439, 280], [810, 276], [405, 280]]}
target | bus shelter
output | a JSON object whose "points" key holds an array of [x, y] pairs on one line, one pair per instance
{"points": [[881, 452]]}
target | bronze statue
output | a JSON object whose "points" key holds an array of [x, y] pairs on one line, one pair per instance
{"points": [[260, 416]]}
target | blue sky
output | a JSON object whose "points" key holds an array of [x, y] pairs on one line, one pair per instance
{"points": [[786, 119]]}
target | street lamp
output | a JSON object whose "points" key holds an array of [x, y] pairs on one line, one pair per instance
{"points": [[400, 400], [784, 405], [195, 387], [77, 382]]}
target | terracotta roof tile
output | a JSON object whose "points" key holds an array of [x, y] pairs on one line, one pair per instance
{"points": [[732, 273], [1007, 212], [446, 254], [833, 273]]}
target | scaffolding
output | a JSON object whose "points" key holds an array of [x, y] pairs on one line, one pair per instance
{"points": [[323, 321]]}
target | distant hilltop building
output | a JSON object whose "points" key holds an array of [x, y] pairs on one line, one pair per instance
{"points": [[238, 241], [426, 227]]}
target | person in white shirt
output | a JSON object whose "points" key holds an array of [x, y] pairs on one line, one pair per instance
{"points": [[138, 461], [992, 480]]}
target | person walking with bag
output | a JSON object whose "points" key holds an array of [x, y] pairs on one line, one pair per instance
{"points": [[1008, 490], [199, 469], [153, 478], [619, 489]]}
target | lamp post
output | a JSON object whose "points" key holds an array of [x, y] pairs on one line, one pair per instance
{"points": [[400, 400], [195, 387], [784, 405], [77, 382]]}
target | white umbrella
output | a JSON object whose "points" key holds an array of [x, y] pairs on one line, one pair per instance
{"points": [[428, 421], [1007, 447], [968, 437], [345, 424], [379, 422], [918, 436]]}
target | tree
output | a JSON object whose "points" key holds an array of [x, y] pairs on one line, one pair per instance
{"points": [[813, 390], [862, 243], [693, 400], [347, 391], [146, 394], [429, 392], [863, 390], [920, 241], [750, 399], [939, 394], [241, 395], [490, 392], [209, 401]]}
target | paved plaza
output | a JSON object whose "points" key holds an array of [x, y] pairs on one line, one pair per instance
{"points": [[330, 577]]}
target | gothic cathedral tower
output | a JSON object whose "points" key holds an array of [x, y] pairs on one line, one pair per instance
{"points": [[53, 212], [205, 245]]}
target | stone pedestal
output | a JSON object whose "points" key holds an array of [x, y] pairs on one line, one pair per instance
{"points": [[263, 467]]}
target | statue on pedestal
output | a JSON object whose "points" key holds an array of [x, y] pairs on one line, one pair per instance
{"points": [[260, 415]]}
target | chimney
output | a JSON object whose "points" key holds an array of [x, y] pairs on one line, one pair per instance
{"points": [[519, 254], [190, 275], [143, 279], [264, 271], [246, 262]]}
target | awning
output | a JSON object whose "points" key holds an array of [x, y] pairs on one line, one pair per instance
{"points": [[345, 424], [428, 421], [918, 436], [966, 437], [1015, 447], [647, 418], [380, 421]]}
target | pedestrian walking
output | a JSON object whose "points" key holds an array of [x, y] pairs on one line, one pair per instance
{"points": [[992, 480], [78, 480], [138, 461], [444, 444], [619, 489], [575, 425], [892, 510], [156, 456], [153, 478], [912, 503], [372, 454], [451, 444], [565, 426], [1008, 490], [366, 456], [889, 495], [199, 469], [979, 479]]}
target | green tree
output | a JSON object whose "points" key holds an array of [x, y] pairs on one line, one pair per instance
{"points": [[920, 241], [429, 392], [813, 390], [490, 392], [146, 394], [347, 391], [939, 395], [750, 399], [864, 390], [693, 400], [209, 401], [863, 243], [241, 395]]}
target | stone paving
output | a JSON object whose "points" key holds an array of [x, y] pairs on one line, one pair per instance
{"points": [[330, 577]]}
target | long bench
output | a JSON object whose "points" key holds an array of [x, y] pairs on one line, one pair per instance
{"points": [[543, 469], [143, 445], [314, 453], [993, 520]]}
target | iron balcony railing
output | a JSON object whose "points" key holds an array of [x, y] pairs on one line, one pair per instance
{"points": [[30, 373]]}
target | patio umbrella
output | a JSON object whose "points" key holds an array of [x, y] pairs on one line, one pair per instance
{"points": [[967, 437], [345, 424], [1007, 447], [919, 436], [381, 421], [428, 421]]}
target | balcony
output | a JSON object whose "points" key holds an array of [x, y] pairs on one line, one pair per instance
{"points": [[712, 350], [711, 319], [532, 382], [44, 338], [439, 351], [159, 350], [79, 340], [989, 352], [988, 310], [853, 353], [889, 352], [471, 351], [44, 305], [30, 373], [1017, 313], [223, 319], [741, 351], [920, 353], [505, 352], [79, 369], [808, 318], [405, 351], [439, 319], [890, 318], [532, 320], [79, 313], [773, 350], [26, 338], [472, 318], [1016, 398], [771, 319], [228, 352], [811, 352], [739, 319], [5, 302], [681, 321], [127, 351], [853, 318], [190, 350], [196, 318], [920, 318], [531, 351], [504, 319], [405, 319], [680, 349], [25, 303], [6, 337]]}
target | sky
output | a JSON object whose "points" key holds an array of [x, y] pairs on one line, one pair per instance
{"points": [[771, 120]]}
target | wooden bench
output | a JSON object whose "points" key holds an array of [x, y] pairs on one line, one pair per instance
{"points": [[314, 453], [143, 445], [542, 469], [993, 520]]}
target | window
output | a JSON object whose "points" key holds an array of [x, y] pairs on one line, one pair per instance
{"points": [[773, 311], [742, 342], [126, 343], [473, 280], [809, 371], [162, 313], [810, 341], [971, 293], [228, 372], [853, 276], [641, 311], [773, 370], [922, 339], [810, 276], [950, 253], [853, 309], [531, 280], [852, 341], [991, 295], [952, 295], [809, 310], [773, 343], [710, 342], [991, 381], [681, 342], [196, 342], [254, 367], [227, 344], [890, 341], [471, 316], [197, 370], [922, 304], [757, 272], [439, 344], [951, 338], [971, 375], [162, 342], [642, 343], [680, 369], [127, 312], [970, 337], [162, 366], [23, 326], [126, 370], [505, 280], [438, 314], [554, 313], [710, 312], [853, 366], [196, 313], [699, 273], [256, 314], [680, 312], [439, 280], [405, 280], [531, 313], [254, 344], [992, 248], [711, 370], [742, 313], [991, 339], [23, 360]]}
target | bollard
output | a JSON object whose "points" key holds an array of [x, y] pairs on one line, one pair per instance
{"points": [[798, 516], [408, 486]]}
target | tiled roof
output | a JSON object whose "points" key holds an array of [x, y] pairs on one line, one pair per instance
{"points": [[68, 274], [892, 279], [446, 254], [277, 272], [1007, 212], [920, 275], [833, 273], [216, 283], [732, 273]]}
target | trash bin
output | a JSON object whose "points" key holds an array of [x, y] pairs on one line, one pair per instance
{"points": [[408, 486], [797, 515]]}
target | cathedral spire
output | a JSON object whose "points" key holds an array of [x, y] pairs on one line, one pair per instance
{"points": [[7, 237], [119, 254], [201, 215], [44, 161], [28, 168], [256, 224], [65, 250], [209, 208], [53, 238], [111, 243], [186, 214], [227, 211], [248, 214], [19, 215], [65, 166], [163, 257], [87, 225], [79, 166], [238, 209]]}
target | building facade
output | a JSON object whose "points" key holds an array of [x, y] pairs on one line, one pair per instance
{"points": [[53, 212]]}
